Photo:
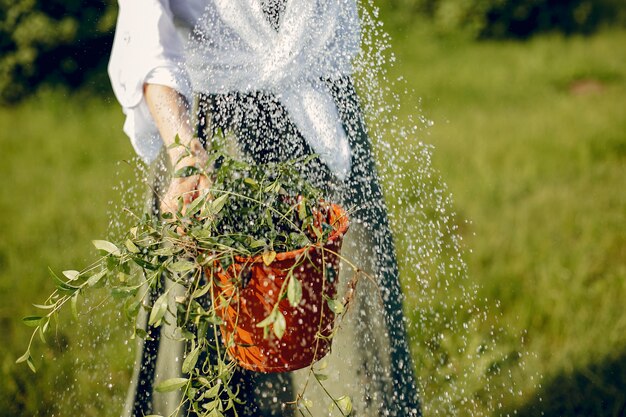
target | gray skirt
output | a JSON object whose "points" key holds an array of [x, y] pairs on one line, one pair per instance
{"points": [[370, 361]]}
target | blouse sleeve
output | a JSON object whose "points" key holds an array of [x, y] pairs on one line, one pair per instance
{"points": [[147, 47]]}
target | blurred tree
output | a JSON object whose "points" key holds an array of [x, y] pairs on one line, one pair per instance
{"points": [[52, 41], [511, 18]]}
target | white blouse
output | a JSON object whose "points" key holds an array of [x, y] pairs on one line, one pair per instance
{"points": [[220, 46]]}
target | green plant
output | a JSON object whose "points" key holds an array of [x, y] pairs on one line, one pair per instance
{"points": [[250, 211]]}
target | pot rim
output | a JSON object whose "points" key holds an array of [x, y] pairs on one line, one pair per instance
{"points": [[341, 222]]}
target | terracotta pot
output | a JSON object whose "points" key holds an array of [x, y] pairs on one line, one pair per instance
{"points": [[309, 324]]}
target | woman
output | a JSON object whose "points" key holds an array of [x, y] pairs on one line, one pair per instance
{"points": [[276, 75]]}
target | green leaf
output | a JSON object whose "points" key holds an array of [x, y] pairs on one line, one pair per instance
{"points": [[74, 305], [345, 404], [320, 377], [279, 325], [171, 384], [268, 320], [42, 330], [201, 291], [45, 306], [251, 182], [141, 333], [123, 292], [294, 291], [106, 246], [132, 308], [268, 257], [24, 357], [166, 251], [60, 284], [144, 264], [213, 391], [31, 365], [273, 187], [259, 243], [186, 172], [195, 206], [158, 309], [302, 210], [182, 266], [218, 203], [132, 248], [190, 361], [32, 321], [71, 274], [318, 232], [335, 306], [95, 279]]}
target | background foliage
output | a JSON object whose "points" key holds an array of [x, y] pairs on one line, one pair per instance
{"points": [[510, 18], [53, 42], [530, 137], [57, 42]]}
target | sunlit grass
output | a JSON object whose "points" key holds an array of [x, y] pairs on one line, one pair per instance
{"points": [[531, 140], [534, 161]]}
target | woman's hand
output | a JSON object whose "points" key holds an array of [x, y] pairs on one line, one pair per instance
{"points": [[191, 187], [170, 112]]}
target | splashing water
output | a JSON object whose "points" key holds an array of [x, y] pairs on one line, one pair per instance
{"points": [[454, 336]]}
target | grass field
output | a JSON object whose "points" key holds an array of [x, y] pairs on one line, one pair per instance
{"points": [[531, 140]]}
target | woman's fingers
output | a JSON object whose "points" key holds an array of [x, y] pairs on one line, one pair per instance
{"points": [[189, 188]]}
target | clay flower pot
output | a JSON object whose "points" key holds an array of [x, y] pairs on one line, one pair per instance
{"points": [[307, 326]]}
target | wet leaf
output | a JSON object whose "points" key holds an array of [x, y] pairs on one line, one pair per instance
{"points": [[171, 384], [44, 306], [200, 292], [167, 250], [71, 274], [320, 377], [345, 404], [280, 325], [132, 248], [335, 306], [302, 210], [182, 266], [213, 391], [268, 257], [186, 172], [190, 361], [218, 203], [268, 320], [60, 284], [251, 182], [259, 243], [24, 357], [294, 291], [95, 279], [32, 321], [74, 303], [43, 329], [195, 206], [144, 264], [31, 365], [158, 310], [123, 292], [106, 246], [141, 333]]}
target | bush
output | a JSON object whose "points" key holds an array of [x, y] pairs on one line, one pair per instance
{"points": [[512, 18], [52, 41]]}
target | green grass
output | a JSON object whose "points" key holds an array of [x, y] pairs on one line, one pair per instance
{"points": [[58, 169], [538, 170]]}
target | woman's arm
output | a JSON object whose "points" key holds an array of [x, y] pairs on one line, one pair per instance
{"points": [[170, 112]]}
